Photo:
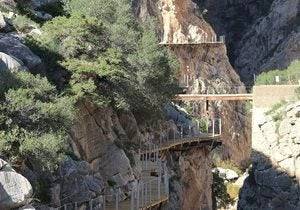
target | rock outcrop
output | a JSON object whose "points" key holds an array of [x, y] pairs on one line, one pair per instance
{"points": [[10, 63], [273, 182], [98, 138], [208, 69], [261, 35], [190, 181], [11, 45], [76, 182], [15, 190]]}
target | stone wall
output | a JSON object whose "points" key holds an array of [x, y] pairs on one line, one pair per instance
{"points": [[265, 96]]}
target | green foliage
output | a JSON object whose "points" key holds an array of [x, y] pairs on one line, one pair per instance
{"points": [[41, 189], [116, 15], [111, 183], [297, 92], [73, 37], [24, 24], [248, 107], [291, 75], [203, 124], [34, 119], [277, 117], [103, 60], [276, 107], [220, 194], [54, 9]]}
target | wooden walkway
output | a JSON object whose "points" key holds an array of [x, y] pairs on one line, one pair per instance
{"points": [[175, 143], [214, 97]]}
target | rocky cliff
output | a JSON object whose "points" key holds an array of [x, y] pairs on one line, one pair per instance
{"points": [[208, 68], [191, 180], [273, 181], [261, 35]]}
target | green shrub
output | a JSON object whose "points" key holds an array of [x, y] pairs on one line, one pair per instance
{"points": [[219, 191], [276, 107], [277, 117], [297, 92], [111, 183], [24, 24], [103, 61], [291, 75], [34, 120]]}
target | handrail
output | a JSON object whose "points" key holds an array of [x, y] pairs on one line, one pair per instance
{"points": [[213, 131], [214, 39]]}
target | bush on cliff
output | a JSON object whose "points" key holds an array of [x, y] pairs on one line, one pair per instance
{"points": [[290, 75], [120, 65], [34, 120]]}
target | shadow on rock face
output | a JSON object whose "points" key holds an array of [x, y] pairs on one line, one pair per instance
{"points": [[268, 187]]}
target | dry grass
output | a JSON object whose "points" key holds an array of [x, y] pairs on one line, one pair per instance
{"points": [[233, 190]]}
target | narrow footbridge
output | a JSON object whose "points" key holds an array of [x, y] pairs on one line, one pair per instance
{"points": [[179, 143], [214, 97]]}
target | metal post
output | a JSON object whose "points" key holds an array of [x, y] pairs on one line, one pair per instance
{"points": [[117, 199], [65, 207], [187, 80], [146, 160], [181, 131], [146, 193], [91, 204], [150, 193], [104, 203], [207, 125], [213, 127], [138, 195], [220, 126], [142, 195], [75, 206], [132, 200], [158, 183]]}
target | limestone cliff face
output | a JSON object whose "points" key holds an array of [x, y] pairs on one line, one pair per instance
{"points": [[261, 34], [274, 180], [208, 69], [95, 137], [191, 180], [179, 23]]}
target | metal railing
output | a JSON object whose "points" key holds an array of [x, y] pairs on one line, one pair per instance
{"points": [[184, 134], [204, 39]]}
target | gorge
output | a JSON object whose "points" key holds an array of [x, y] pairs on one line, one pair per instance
{"points": [[122, 61]]}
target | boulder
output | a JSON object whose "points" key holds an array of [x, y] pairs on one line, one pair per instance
{"points": [[27, 207], [42, 15], [15, 190], [11, 63], [76, 182], [3, 23], [41, 3], [227, 174], [14, 47]]}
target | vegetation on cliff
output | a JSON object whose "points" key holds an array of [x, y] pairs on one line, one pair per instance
{"points": [[34, 119], [287, 76], [95, 51]]}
